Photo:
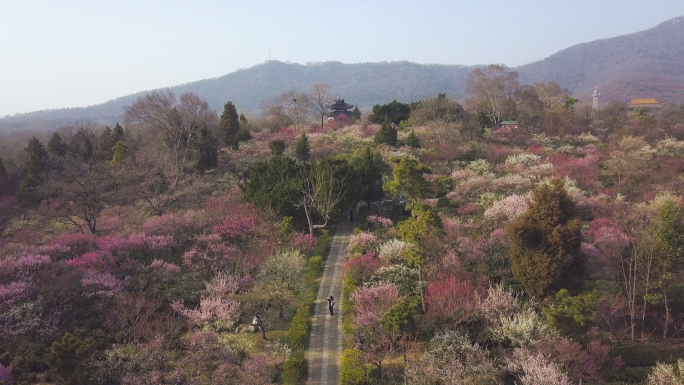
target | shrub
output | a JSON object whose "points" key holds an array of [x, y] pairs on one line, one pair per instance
{"points": [[353, 368], [294, 368], [298, 334], [664, 374]]}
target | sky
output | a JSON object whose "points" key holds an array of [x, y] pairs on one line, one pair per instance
{"points": [[67, 53]]}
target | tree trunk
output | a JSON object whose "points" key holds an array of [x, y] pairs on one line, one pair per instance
{"points": [[308, 218]]}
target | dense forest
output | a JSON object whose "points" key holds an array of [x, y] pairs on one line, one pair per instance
{"points": [[150, 252]]}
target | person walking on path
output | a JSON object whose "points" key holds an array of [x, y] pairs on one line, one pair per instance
{"points": [[351, 214], [331, 304]]}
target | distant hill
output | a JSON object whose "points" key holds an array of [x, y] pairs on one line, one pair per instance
{"points": [[647, 64], [640, 65]]}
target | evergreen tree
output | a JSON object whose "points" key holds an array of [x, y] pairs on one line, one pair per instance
{"points": [[408, 178], [118, 133], [120, 152], [229, 125], [68, 358], [82, 146], [242, 136], [412, 140], [368, 166], [356, 113], [34, 168], [3, 171], [106, 144], [302, 149], [57, 147], [387, 134], [204, 150], [277, 147], [545, 243]]}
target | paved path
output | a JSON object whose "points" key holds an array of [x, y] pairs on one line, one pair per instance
{"points": [[325, 344]]}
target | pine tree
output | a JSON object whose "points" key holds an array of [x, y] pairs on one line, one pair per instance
{"points": [[204, 150], [356, 113], [302, 149], [120, 152], [33, 171], [68, 358], [545, 243], [387, 134], [277, 147], [229, 125], [57, 147], [118, 133], [412, 140]]}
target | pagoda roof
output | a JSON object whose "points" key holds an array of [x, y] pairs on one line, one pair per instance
{"points": [[340, 105]]}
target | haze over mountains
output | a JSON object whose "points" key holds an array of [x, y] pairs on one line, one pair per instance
{"points": [[645, 64]]}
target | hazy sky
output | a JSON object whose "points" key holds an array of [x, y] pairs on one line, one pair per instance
{"points": [[62, 53]]}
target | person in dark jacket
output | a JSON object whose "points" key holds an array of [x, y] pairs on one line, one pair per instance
{"points": [[331, 304]]}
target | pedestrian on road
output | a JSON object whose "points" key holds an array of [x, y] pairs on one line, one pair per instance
{"points": [[331, 304], [351, 214]]}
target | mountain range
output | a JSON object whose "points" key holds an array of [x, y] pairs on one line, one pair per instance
{"points": [[647, 64]]}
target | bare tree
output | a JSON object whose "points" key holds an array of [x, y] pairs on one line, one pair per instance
{"points": [[174, 122], [291, 106], [321, 99], [319, 190], [492, 90]]}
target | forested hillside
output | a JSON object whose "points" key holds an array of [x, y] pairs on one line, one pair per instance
{"points": [[641, 65]]}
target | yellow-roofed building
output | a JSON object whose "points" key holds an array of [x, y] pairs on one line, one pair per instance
{"points": [[653, 103]]}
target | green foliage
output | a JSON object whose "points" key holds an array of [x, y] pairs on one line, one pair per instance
{"points": [[356, 113], [204, 150], [412, 140], [3, 170], [400, 318], [36, 163], [82, 146], [302, 148], [120, 152], [572, 316], [569, 103], [269, 184], [386, 135], [229, 125], [408, 178], [348, 288], [323, 243], [423, 226], [545, 242], [352, 368], [243, 135], [669, 231], [393, 112], [368, 166], [277, 147], [298, 333], [57, 147], [294, 368], [286, 227], [67, 358]]}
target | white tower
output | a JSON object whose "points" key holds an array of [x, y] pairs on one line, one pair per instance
{"points": [[594, 102]]}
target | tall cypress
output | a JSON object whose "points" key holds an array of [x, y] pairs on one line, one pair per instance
{"points": [[34, 168], [229, 125]]}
